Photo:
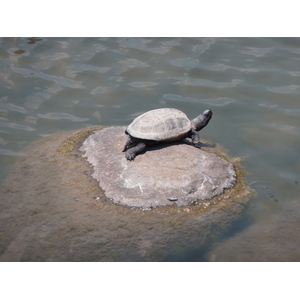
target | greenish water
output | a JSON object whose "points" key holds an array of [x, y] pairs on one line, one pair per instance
{"points": [[50, 85]]}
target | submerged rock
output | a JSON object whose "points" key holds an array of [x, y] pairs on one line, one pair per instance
{"points": [[267, 238], [52, 209], [166, 172]]}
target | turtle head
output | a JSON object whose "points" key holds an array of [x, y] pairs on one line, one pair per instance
{"points": [[202, 120]]}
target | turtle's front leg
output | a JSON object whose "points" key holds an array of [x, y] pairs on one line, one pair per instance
{"points": [[195, 138], [134, 151]]}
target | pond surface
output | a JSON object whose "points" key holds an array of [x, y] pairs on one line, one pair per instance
{"points": [[252, 85]]}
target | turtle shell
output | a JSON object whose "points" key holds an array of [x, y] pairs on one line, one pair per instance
{"points": [[164, 124]]}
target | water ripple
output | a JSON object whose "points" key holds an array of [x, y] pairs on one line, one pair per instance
{"points": [[84, 67], [58, 80], [13, 125], [200, 49], [141, 44], [188, 81], [104, 89], [214, 102], [257, 52], [287, 89], [13, 107], [187, 62], [46, 61], [223, 67], [133, 63], [61, 116], [35, 100], [294, 73], [142, 84]]}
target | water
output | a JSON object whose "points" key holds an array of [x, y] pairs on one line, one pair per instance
{"points": [[50, 85]]}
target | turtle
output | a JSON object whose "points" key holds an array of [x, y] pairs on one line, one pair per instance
{"points": [[162, 125]]}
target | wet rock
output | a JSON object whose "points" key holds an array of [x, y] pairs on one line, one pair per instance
{"points": [[51, 209], [164, 174]]}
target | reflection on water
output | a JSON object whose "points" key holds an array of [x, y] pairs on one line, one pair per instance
{"points": [[50, 85]]}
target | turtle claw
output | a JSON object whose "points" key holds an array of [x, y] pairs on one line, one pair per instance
{"points": [[130, 156], [198, 145]]}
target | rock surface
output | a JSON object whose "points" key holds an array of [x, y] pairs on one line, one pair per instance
{"points": [[165, 174]]}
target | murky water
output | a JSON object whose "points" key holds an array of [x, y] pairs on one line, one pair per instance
{"points": [[252, 85]]}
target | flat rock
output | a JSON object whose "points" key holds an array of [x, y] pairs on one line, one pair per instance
{"points": [[165, 174]]}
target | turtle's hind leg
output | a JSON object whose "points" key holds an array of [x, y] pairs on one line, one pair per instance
{"points": [[130, 142]]}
